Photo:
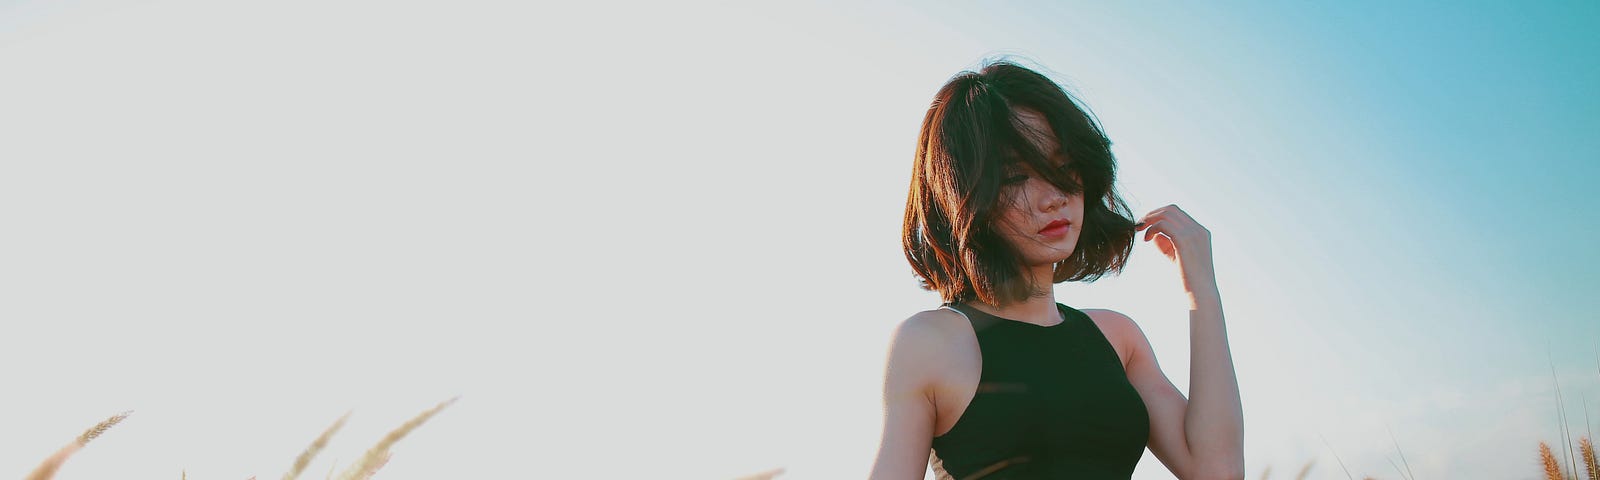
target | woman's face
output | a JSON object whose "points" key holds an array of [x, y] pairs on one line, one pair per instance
{"points": [[1037, 218]]}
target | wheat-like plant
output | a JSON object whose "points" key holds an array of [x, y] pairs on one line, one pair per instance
{"points": [[316, 446], [1587, 449], [1552, 468], [1306, 470], [362, 469], [95, 431], [378, 455], [47, 470]]}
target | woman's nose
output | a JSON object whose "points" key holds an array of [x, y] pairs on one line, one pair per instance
{"points": [[1053, 198]]}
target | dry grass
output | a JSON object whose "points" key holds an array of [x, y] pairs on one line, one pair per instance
{"points": [[47, 469], [1552, 468], [363, 469], [1306, 470], [376, 457], [379, 455], [95, 431], [1587, 448], [305, 457]]}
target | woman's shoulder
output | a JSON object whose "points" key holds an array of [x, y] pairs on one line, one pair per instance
{"points": [[1105, 318], [1120, 330], [919, 351], [930, 328]]}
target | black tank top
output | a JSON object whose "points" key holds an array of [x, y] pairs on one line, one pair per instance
{"points": [[1052, 403]]}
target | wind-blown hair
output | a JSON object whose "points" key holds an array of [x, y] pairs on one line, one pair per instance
{"points": [[970, 138]]}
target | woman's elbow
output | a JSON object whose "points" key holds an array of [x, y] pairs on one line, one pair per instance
{"points": [[1229, 471]]}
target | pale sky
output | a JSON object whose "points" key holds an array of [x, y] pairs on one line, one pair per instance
{"points": [[654, 241]]}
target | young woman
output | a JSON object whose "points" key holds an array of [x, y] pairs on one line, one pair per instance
{"points": [[1012, 192]]}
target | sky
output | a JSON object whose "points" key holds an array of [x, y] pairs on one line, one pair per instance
{"points": [[645, 240]]}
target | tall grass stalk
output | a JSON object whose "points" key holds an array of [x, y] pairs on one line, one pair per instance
{"points": [[1587, 448], [47, 469], [1396, 466], [1586, 427], [1408, 473], [1561, 412], [1306, 470], [378, 455], [1336, 456], [305, 457], [1552, 468]]}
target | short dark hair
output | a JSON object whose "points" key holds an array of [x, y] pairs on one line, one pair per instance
{"points": [[970, 136]]}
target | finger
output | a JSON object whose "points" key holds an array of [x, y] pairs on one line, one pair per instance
{"points": [[1156, 214], [1145, 221], [1176, 216], [1151, 219], [1165, 245], [1159, 226]]}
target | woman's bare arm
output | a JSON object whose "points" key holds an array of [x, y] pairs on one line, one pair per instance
{"points": [[1205, 433], [1214, 423], [908, 410], [1180, 436]]}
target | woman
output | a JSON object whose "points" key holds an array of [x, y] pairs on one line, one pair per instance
{"points": [[1012, 192]]}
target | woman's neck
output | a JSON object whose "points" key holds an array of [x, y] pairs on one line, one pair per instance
{"points": [[1038, 310]]}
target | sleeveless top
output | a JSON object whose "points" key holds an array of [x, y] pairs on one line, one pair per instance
{"points": [[1052, 403]]}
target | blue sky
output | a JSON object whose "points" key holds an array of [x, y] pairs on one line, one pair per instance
{"points": [[1408, 177], [669, 233]]}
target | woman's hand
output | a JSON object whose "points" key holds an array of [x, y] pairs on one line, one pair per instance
{"points": [[1184, 241]]}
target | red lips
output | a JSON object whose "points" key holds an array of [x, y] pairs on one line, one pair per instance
{"points": [[1056, 228]]}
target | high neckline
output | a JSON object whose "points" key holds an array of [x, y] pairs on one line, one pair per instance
{"points": [[1059, 309]]}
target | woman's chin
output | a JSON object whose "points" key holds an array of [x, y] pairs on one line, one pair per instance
{"points": [[1054, 258]]}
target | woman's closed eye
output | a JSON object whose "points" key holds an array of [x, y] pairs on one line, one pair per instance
{"points": [[1016, 177]]}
